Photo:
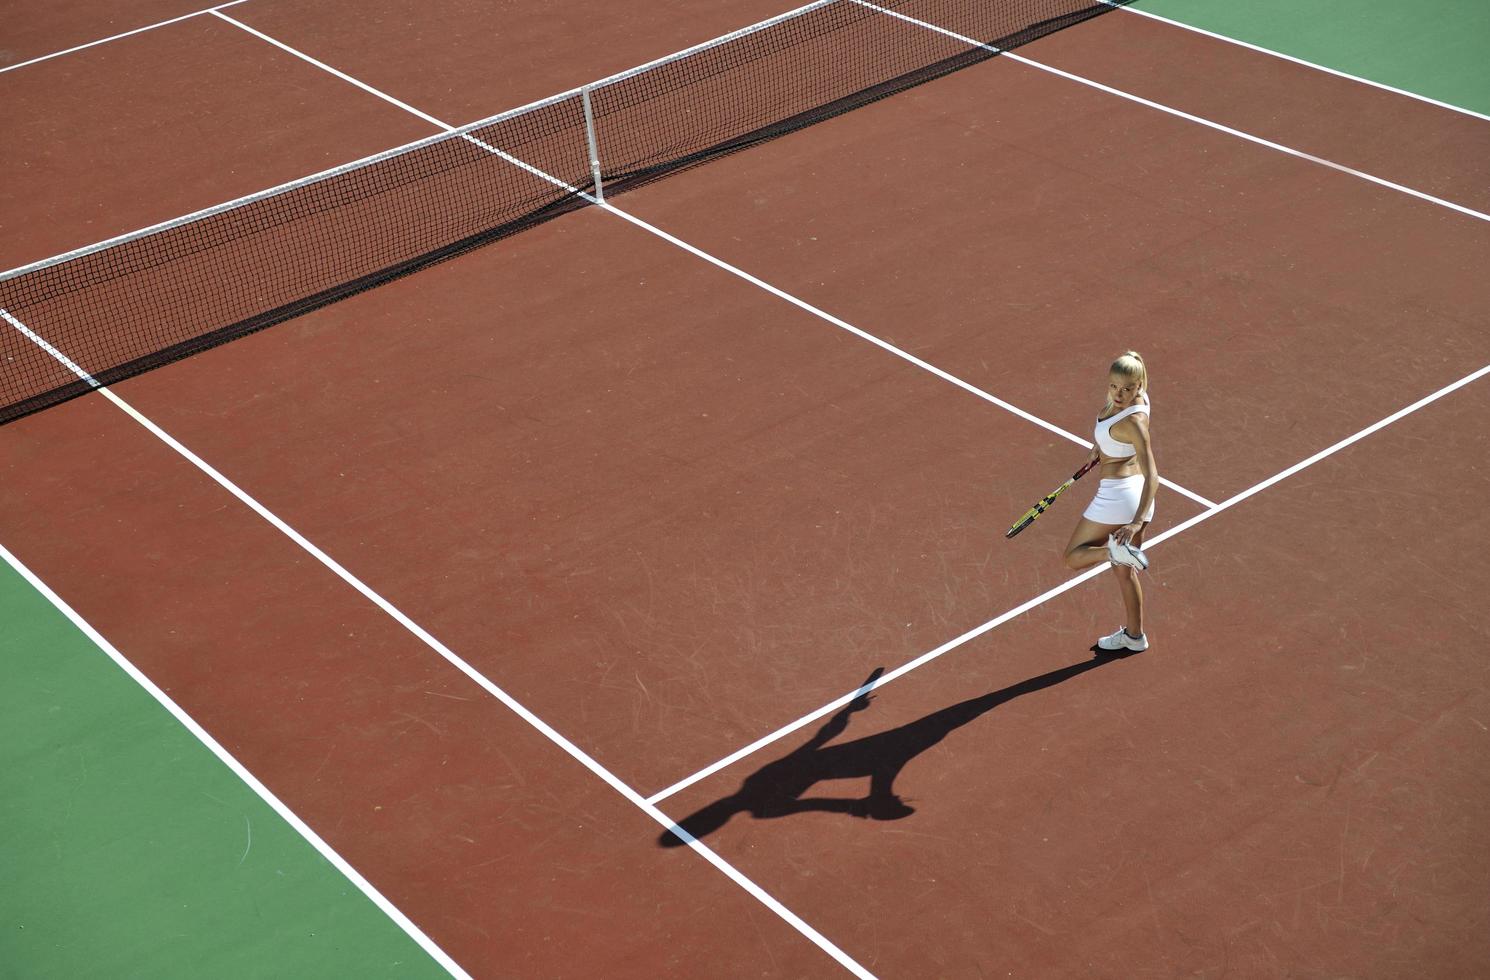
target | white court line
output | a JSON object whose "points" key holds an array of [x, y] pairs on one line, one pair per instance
{"points": [[41, 342], [1066, 586], [238, 769], [1299, 61], [1349, 440], [115, 37], [1187, 116], [924, 365], [879, 682], [342, 75], [450, 657]]}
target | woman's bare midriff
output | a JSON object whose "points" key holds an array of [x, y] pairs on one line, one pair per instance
{"points": [[1116, 469]]}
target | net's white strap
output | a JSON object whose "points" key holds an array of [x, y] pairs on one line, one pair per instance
{"points": [[584, 95]]}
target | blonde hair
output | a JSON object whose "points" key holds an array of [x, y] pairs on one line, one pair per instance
{"points": [[1130, 365]]}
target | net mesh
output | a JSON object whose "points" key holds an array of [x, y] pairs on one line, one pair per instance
{"points": [[166, 293]]}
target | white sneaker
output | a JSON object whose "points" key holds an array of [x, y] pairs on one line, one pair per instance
{"points": [[1123, 640], [1126, 554]]}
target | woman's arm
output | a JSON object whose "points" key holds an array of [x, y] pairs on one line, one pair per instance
{"points": [[1144, 453]]}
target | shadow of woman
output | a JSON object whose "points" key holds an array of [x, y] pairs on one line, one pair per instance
{"points": [[776, 789]]}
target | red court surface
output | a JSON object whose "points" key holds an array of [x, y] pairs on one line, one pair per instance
{"points": [[448, 802], [673, 511], [1010, 241], [463, 60], [669, 512], [37, 28], [1286, 788]]}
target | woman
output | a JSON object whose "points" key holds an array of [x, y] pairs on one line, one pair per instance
{"points": [[1112, 528]]}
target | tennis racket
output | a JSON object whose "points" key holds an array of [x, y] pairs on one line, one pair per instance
{"points": [[1046, 501]]}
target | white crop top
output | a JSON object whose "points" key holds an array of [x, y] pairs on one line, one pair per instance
{"points": [[1105, 441]]}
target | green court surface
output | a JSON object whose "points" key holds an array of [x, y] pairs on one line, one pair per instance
{"points": [[1435, 48], [127, 849]]}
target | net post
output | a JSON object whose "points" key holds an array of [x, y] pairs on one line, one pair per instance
{"points": [[584, 94]]}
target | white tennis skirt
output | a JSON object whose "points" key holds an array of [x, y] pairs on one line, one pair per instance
{"points": [[1117, 501]]}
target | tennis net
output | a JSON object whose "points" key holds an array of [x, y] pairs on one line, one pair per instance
{"points": [[107, 312]]}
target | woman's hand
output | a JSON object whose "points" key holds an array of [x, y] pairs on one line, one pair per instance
{"points": [[1125, 534]]}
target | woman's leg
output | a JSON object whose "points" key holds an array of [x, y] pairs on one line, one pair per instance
{"points": [[1088, 544], [1132, 591], [1088, 547]]}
